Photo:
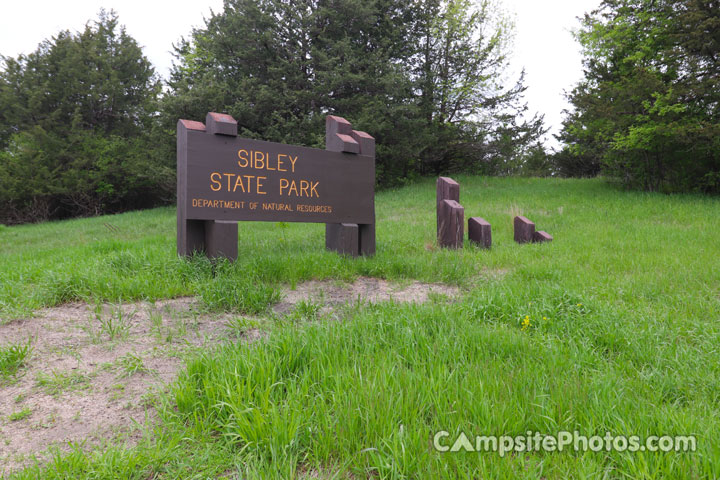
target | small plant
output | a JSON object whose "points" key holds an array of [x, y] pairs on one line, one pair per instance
{"points": [[115, 325], [58, 382], [156, 322], [156, 319], [238, 326], [306, 310], [283, 226], [149, 399], [131, 364], [13, 357], [21, 415]]}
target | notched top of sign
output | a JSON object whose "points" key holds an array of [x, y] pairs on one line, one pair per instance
{"points": [[340, 137], [221, 124]]}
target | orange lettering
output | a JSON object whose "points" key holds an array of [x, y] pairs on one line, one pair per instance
{"points": [[238, 181], [245, 158], [214, 181], [259, 160]]}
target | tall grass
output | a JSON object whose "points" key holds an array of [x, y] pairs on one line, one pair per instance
{"points": [[612, 327]]}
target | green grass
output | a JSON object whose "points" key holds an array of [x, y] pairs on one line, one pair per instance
{"points": [[20, 415], [13, 356], [623, 334], [130, 364], [57, 382], [112, 325]]}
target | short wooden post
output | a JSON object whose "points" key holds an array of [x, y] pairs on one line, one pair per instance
{"points": [[343, 238], [524, 229], [541, 237], [349, 238], [479, 232]]}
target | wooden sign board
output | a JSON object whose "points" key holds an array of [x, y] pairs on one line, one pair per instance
{"points": [[223, 179]]}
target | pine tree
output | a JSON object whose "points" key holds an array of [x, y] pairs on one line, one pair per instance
{"points": [[74, 122], [422, 76]]}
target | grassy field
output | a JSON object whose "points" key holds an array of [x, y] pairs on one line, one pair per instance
{"points": [[613, 327]]}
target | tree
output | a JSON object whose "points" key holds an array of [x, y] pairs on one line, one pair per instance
{"points": [[461, 76], [648, 109], [74, 122], [423, 76]]}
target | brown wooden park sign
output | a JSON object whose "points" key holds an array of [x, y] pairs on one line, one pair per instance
{"points": [[223, 179]]}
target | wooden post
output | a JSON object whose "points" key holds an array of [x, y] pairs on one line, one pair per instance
{"points": [[448, 190], [349, 238], [541, 237], [216, 239], [524, 229], [479, 231], [190, 233], [452, 224]]}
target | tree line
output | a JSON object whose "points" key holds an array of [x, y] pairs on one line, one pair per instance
{"points": [[87, 126], [647, 113]]}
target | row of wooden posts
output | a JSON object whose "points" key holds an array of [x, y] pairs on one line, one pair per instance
{"points": [[451, 221]]}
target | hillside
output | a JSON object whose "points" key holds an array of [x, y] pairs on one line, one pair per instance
{"points": [[612, 327]]}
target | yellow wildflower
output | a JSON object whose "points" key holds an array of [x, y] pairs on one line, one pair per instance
{"points": [[526, 322]]}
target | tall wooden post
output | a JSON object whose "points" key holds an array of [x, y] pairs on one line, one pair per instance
{"points": [[349, 238], [212, 237], [450, 214]]}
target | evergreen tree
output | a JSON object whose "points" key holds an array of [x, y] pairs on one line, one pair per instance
{"points": [[74, 122], [423, 76]]}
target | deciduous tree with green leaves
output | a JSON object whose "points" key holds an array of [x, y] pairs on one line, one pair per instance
{"points": [[648, 110]]}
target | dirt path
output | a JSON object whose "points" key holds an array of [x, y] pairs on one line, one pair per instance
{"points": [[94, 370]]}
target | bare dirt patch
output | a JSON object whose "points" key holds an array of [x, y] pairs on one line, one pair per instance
{"points": [[334, 293], [94, 370]]}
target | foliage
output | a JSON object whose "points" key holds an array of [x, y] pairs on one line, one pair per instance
{"points": [[74, 117], [425, 77], [648, 110]]}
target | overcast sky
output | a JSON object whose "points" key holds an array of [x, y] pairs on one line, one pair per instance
{"points": [[543, 45]]}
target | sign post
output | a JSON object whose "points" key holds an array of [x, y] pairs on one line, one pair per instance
{"points": [[223, 179]]}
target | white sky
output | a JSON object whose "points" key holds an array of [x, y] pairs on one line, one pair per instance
{"points": [[543, 43]]}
